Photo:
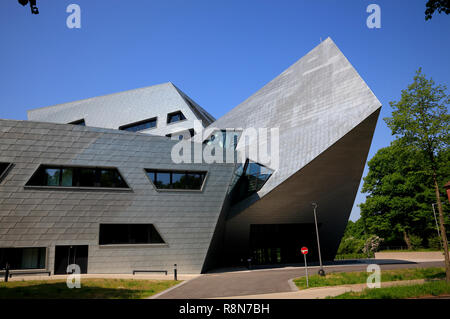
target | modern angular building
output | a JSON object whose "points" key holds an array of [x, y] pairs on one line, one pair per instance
{"points": [[94, 182]]}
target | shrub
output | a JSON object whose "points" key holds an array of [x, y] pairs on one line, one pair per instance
{"points": [[372, 244], [351, 245], [434, 242], [416, 241]]}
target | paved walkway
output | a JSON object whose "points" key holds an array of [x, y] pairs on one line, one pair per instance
{"points": [[183, 277], [416, 256], [323, 292], [264, 281]]}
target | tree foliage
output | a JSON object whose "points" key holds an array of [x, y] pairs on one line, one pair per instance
{"points": [[355, 229], [400, 193], [439, 5], [420, 118], [403, 178]]}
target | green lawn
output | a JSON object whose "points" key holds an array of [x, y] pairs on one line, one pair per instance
{"points": [[90, 289], [346, 278], [433, 288]]}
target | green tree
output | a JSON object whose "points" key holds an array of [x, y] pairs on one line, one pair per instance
{"points": [[354, 237], [421, 121], [355, 229], [399, 199]]}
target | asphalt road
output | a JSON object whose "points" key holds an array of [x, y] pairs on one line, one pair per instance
{"points": [[253, 282]]}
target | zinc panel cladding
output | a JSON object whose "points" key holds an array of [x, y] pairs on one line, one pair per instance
{"points": [[325, 114], [123, 108], [39, 217], [314, 103]]}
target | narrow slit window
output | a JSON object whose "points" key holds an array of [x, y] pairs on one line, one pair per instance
{"points": [[79, 122], [139, 126]]}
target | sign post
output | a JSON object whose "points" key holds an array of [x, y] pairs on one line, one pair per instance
{"points": [[304, 251]]}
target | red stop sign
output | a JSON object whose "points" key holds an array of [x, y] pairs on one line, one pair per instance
{"points": [[304, 250]]}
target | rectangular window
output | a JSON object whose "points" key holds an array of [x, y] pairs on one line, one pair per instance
{"points": [[77, 177], [139, 126], [175, 117], [23, 258], [181, 180], [122, 234]]}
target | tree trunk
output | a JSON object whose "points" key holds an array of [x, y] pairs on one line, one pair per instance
{"points": [[443, 232], [406, 239]]}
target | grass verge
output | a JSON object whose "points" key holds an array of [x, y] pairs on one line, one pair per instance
{"points": [[90, 289], [428, 289], [348, 278]]}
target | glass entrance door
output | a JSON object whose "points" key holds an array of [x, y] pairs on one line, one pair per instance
{"points": [[74, 254]]}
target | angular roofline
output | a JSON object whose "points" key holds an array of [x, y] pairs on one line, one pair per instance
{"points": [[197, 109], [95, 97], [315, 48], [88, 128]]}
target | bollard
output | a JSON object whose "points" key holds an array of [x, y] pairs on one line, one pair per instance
{"points": [[6, 272], [175, 272]]}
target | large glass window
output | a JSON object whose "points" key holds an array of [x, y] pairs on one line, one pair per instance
{"points": [[23, 258], [177, 179], [175, 117], [248, 179], [139, 126], [77, 177], [116, 234]]}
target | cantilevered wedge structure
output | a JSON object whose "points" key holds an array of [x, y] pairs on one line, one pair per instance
{"points": [[94, 183]]}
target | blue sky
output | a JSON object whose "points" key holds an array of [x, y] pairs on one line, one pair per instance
{"points": [[218, 52]]}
